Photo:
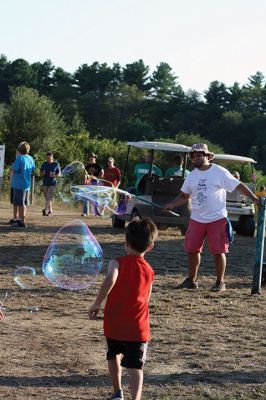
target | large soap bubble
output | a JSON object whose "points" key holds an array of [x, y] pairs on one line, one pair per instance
{"points": [[105, 198], [73, 174], [74, 258], [25, 276]]}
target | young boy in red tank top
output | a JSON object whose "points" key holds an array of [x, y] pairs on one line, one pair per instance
{"points": [[127, 287]]}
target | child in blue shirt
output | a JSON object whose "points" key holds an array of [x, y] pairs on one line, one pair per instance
{"points": [[21, 169]]}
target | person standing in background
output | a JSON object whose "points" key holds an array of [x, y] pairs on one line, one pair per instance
{"points": [[15, 217], [112, 174], [143, 168], [94, 172], [177, 168], [50, 170], [22, 169]]}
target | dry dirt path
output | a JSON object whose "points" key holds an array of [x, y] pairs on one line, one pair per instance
{"points": [[204, 346]]}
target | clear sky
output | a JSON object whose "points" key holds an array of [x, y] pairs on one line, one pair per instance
{"points": [[201, 40]]}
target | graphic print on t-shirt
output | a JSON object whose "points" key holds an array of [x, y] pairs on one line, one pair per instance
{"points": [[201, 188]]}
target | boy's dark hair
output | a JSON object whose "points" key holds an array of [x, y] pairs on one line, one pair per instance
{"points": [[49, 153], [140, 234], [24, 148]]}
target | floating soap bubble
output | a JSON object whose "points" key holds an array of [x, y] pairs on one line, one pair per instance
{"points": [[105, 198], [74, 258], [33, 309], [25, 277], [73, 174], [75, 171]]}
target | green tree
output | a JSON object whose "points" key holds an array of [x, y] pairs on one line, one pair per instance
{"points": [[33, 118], [43, 76], [187, 113], [2, 122], [136, 73], [20, 73], [254, 94], [4, 93], [64, 93], [96, 79], [217, 97], [236, 98], [191, 138], [231, 125], [164, 83]]}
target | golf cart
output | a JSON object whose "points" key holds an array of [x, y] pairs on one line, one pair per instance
{"points": [[241, 210], [153, 191]]}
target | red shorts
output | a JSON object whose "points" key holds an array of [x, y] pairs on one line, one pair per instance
{"points": [[216, 234]]}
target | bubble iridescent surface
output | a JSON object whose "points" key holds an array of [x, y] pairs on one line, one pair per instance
{"points": [[25, 276], [72, 174], [74, 258], [105, 197]]}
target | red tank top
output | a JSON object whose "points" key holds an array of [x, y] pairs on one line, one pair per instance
{"points": [[126, 313]]}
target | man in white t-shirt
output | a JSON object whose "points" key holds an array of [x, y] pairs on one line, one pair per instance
{"points": [[206, 185]]}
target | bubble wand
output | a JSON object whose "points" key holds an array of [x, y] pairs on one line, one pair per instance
{"points": [[86, 191]]}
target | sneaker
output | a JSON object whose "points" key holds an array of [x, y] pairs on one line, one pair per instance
{"points": [[21, 224], [84, 215], [118, 395], [218, 287], [12, 221], [15, 223], [188, 283], [43, 212]]}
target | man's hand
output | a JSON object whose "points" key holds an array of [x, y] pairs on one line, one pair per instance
{"points": [[167, 207]]}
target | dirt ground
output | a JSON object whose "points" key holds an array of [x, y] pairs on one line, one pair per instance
{"points": [[204, 345]]}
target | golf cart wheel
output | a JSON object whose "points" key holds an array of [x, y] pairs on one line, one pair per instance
{"points": [[246, 226], [117, 222]]}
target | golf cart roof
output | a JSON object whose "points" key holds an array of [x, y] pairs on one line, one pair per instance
{"points": [[164, 146], [224, 159], [232, 159]]}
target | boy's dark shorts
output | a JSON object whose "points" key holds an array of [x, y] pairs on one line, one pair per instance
{"points": [[134, 353], [20, 197]]}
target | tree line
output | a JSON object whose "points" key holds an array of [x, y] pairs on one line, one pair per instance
{"points": [[51, 107]]}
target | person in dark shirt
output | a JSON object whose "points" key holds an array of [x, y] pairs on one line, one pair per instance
{"points": [[94, 169], [94, 172], [50, 170]]}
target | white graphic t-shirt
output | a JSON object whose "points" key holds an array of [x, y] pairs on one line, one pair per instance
{"points": [[208, 192]]}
